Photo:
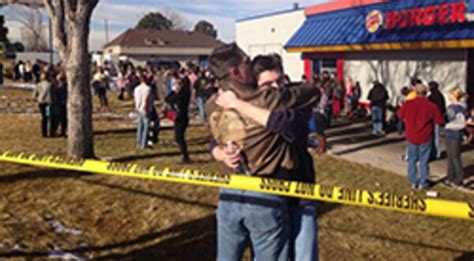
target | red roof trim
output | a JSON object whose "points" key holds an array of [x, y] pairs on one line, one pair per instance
{"points": [[338, 5]]}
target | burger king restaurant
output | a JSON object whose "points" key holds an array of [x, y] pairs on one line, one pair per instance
{"points": [[390, 42]]}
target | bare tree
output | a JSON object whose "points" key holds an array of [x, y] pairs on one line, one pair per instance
{"points": [[31, 18], [71, 25], [31, 3], [179, 22]]}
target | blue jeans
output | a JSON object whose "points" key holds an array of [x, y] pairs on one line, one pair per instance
{"points": [[201, 102], [143, 124], [304, 231], [418, 153], [400, 126], [377, 119], [436, 143], [312, 124], [261, 218]]}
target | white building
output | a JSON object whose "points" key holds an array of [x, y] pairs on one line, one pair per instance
{"points": [[391, 42], [142, 45], [269, 33]]}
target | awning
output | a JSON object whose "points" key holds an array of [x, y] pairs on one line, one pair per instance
{"points": [[346, 30]]}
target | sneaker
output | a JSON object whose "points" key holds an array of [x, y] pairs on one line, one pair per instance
{"points": [[404, 157], [413, 186], [424, 187]]}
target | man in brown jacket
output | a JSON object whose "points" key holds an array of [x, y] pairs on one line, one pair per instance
{"points": [[244, 215]]}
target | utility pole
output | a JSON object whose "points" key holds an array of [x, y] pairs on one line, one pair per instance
{"points": [[106, 24], [50, 36]]}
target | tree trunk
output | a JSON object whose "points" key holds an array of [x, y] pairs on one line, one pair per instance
{"points": [[80, 131], [70, 22]]}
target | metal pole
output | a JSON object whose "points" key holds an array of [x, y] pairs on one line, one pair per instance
{"points": [[106, 23], [51, 51]]}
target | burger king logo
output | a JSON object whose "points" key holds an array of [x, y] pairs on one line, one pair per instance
{"points": [[374, 21]]}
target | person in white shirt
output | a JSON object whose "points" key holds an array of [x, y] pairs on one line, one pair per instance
{"points": [[143, 106]]}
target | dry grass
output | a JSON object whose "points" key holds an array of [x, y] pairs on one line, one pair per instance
{"points": [[131, 219]]}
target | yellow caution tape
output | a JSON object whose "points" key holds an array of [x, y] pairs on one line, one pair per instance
{"points": [[410, 203]]}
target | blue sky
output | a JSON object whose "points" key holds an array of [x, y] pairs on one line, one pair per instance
{"points": [[124, 14]]}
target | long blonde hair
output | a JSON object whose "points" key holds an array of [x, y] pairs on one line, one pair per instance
{"points": [[458, 94]]}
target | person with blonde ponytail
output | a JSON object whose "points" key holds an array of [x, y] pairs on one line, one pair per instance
{"points": [[455, 125]]}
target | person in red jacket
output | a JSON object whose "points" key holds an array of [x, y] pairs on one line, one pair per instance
{"points": [[419, 116]]}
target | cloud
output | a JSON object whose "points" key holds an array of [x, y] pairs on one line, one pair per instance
{"points": [[124, 14], [97, 38], [14, 30], [222, 14]]}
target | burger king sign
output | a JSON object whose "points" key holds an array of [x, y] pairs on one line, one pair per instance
{"points": [[374, 21], [443, 14]]}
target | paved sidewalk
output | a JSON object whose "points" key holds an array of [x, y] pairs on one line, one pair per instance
{"points": [[353, 141]]}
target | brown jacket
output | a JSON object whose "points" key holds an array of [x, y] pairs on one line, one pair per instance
{"points": [[267, 153]]}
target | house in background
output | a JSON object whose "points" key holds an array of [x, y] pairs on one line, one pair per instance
{"points": [[142, 45]]}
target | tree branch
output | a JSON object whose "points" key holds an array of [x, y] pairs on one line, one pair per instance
{"points": [[70, 10], [56, 13], [84, 9]]}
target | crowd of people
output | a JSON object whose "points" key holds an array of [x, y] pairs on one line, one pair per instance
{"points": [[261, 124], [173, 88], [27, 71], [157, 92], [168, 92], [424, 117], [420, 113]]}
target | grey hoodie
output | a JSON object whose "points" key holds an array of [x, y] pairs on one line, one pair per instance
{"points": [[43, 92]]}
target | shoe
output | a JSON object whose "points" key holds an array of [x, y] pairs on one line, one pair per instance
{"points": [[381, 133], [413, 186], [312, 143], [186, 161], [423, 187], [404, 157]]}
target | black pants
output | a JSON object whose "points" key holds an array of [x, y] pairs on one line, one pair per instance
{"points": [[44, 119], [179, 131], [155, 131], [455, 170], [62, 119], [102, 93], [121, 94], [320, 123]]}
